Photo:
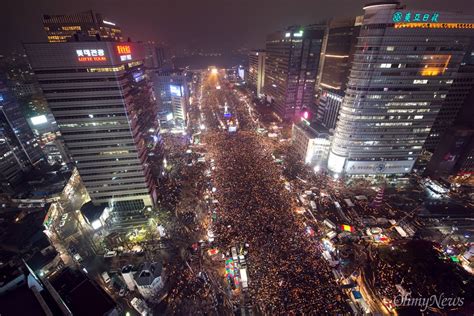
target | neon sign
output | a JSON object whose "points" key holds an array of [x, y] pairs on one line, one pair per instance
{"points": [[87, 55], [435, 25], [124, 49], [414, 17], [125, 52]]}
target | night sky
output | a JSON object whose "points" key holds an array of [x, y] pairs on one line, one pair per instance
{"points": [[206, 24]]}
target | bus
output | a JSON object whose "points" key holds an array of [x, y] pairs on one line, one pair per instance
{"points": [[349, 202], [234, 254], [329, 224], [243, 278]]}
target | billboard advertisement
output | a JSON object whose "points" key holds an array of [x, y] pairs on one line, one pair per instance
{"points": [[38, 120], [379, 167], [241, 73], [176, 90]]}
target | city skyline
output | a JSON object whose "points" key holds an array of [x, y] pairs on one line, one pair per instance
{"points": [[325, 168], [195, 25]]}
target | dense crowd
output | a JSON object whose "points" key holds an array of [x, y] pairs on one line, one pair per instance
{"points": [[287, 273], [420, 270]]}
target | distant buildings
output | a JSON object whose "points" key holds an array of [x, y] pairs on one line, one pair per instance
{"points": [[404, 66], [311, 144], [21, 81], [19, 76], [19, 150], [156, 56], [338, 54], [256, 74], [291, 66], [67, 27], [454, 154], [172, 93], [456, 99], [106, 113]]}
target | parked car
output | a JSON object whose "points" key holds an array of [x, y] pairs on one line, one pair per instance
{"points": [[110, 254]]}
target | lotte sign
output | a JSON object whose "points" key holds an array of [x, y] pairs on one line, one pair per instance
{"points": [[125, 52], [87, 55]]}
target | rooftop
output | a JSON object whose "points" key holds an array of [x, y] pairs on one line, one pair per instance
{"points": [[313, 130], [148, 272], [81, 295], [93, 212]]}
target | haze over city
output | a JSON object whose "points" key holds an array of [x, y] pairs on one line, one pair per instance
{"points": [[237, 158], [210, 25]]}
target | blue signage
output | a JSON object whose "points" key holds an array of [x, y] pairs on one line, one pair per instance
{"points": [[414, 17]]}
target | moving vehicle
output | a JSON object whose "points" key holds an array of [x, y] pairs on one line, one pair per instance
{"points": [[105, 276]]}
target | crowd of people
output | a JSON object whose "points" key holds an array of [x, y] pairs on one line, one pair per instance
{"points": [[287, 273], [416, 267]]}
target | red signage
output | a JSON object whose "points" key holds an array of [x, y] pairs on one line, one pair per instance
{"points": [[124, 49], [96, 58]]}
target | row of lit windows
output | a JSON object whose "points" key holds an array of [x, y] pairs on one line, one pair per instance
{"points": [[105, 160], [115, 184], [116, 196], [103, 123], [95, 132], [98, 146], [106, 69], [110, 166], [140, 176]]}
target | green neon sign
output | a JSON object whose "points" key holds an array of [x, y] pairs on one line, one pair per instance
{"points": [[414, 17]]}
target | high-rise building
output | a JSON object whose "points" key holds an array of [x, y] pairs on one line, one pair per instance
{"points": [[339, 51], [463, 84], [19, 76], [402, 71], [291, 66], [156, 56], [256, 74], [172, 91], [63, 28], [452, 153], [19, 150], [106, 112]]}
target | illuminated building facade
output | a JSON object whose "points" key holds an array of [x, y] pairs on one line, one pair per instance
{"points": [[61, 28], [256, 74], [399, 80], [19, 150], [312, 144], [105, 110], [172, 93], [291, 66], [339, 51]]}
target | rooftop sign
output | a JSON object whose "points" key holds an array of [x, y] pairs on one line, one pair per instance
{"points": [[84, 55], [409, 16]]}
